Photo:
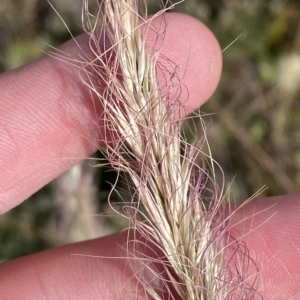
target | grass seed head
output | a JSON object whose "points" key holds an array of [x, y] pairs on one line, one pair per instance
{"points": [[176, 204]]}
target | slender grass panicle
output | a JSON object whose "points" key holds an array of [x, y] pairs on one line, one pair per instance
{"points": [[176, 204]]}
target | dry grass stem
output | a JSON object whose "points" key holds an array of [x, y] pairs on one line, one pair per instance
{"points": [[75, 195]]}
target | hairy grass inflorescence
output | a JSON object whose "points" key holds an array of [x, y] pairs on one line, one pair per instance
{"points": [[176, 204]]}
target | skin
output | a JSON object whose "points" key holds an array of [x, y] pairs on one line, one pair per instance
{"points": [[47, 124]]}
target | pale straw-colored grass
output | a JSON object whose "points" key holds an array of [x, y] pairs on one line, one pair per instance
{"points": [[176, 204]]}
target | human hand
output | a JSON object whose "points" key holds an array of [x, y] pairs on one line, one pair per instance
{"points": [[46, 125]]}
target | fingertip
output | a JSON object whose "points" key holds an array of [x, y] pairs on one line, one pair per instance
{"points": [[197, 53]]}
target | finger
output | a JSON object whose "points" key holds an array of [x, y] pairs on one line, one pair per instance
{"points": [[90, 270], [94, 270], [271, 231], [48, 121]]}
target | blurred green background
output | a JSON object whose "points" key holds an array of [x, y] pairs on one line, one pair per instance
{"points": [[253, 129]]}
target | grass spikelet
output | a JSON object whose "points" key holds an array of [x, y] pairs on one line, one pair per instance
{"points": [[176, 204]]}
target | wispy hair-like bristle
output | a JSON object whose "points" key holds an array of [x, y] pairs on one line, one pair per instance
{"points": [[176, 204]]}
